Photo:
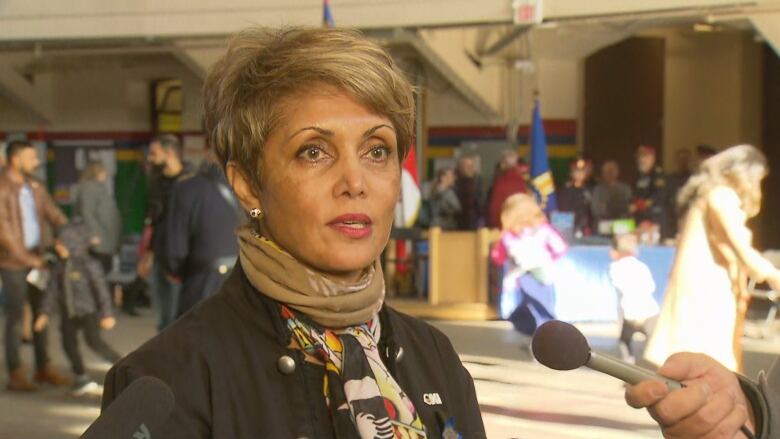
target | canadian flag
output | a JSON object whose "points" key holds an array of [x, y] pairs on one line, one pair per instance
{"points": [[408, 207]]}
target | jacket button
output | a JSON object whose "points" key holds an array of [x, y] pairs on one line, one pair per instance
{"points": [[399, 355], [286, 365]]}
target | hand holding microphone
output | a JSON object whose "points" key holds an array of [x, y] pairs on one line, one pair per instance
{"points": [[710, 404]]}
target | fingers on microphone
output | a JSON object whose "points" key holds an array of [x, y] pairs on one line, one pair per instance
{"points": [[645, 394], [681, 404], [719, 417], [685, 366]]}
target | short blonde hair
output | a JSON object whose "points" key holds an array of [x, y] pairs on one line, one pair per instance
{"points": [[521, 211], [245, 92]]}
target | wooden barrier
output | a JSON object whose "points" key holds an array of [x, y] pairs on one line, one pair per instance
{"points": [[458, 276]]}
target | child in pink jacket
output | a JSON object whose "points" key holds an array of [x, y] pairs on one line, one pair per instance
{"points": [[528, 249]]}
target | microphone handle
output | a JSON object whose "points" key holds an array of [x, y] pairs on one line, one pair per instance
{"points": [[628, 373]]}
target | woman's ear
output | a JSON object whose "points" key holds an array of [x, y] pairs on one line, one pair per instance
{"points": [[242, 187]]}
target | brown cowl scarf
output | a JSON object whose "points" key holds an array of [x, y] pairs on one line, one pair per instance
{"points": [[331, 303]]}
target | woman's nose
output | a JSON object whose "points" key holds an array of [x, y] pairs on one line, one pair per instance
{"points": [[352, 179]]}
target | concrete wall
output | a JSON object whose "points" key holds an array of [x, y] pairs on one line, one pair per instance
{"points": [[111, 98]]}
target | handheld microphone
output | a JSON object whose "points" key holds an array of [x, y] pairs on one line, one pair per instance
{"points": [[560, 346], [139, 411]]}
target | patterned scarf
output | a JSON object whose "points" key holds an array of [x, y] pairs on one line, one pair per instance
{"points": [[364, 399]]}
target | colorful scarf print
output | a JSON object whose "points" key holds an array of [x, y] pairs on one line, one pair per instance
{"points": [[364, 399]]}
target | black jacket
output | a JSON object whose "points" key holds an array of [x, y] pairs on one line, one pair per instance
{"points": [[222, 361], [199, 227]]}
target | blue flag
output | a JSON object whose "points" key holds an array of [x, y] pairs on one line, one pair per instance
{"points": [[327, 14], [541, 176]]}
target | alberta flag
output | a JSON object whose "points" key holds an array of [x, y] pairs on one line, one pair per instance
{"points": [[541, 176], [327, 14]]}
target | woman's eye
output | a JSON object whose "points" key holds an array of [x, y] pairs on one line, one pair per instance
{"points": [[311, 153], [379, 153]]}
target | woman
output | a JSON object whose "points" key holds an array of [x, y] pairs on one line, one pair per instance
{"points": [[99, 211], [445, 205], [706, 297], [311, 126], [527, 249]]}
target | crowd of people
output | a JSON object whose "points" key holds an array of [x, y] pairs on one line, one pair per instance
{"points": [[54, 265], [456, 200], [299, 341]]}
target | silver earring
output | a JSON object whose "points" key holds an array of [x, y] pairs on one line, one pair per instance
{"points": [[256, 213]]}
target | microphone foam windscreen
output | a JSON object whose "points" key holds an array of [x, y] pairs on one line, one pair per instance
{"points": [[560, 346], [138, 411]]}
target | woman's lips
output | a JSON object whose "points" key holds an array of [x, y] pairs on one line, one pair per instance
{"points": [[353, 225]]}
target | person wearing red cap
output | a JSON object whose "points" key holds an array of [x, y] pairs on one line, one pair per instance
{"points": [[577, 195], [651, 193], [510, 178]]}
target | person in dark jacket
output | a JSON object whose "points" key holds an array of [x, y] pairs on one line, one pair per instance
{"points": [[100, 213], [78, 290], [445, 205], [576, 197], [468, 187], [168, 167], [317, 165], [652, 201], [200, 246]]}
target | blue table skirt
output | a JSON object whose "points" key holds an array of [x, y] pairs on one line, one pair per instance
{"points": [[582, 287]]}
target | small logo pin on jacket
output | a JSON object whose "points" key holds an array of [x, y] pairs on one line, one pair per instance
{"points": [[432, 399]]}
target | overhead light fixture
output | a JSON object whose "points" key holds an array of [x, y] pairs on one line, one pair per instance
{"points": [[704, 27]]}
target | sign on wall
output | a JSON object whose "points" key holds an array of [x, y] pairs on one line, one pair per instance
{"points": [[527, 11]]}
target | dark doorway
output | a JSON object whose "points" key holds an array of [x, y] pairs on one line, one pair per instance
{"points": [[624, 89], [768, 234]]}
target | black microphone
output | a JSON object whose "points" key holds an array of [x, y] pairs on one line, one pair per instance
{"points": [[139, 411], [560, 346]]}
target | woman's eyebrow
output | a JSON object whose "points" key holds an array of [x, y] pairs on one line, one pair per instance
{"points": [[323, 131], [370, 132]]}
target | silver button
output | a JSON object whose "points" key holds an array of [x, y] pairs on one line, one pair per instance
{"points": [[286, 365], [399, 355]]}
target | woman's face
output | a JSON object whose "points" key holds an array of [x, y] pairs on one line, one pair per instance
{"points": [[330, 183], [448, 178]]}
